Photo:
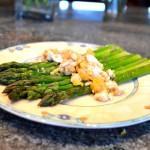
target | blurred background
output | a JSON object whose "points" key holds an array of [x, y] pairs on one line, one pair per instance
{"points": [[123, 22], [94, 10]]}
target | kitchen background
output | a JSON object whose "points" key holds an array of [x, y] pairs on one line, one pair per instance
{"points": [[94, 10]]}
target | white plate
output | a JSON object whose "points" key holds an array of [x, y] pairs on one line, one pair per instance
{"points": [[83, 112]]}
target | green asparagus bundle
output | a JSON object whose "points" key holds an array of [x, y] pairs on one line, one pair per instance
{"points": [[11, 72], [125, 65], [51, 94], [33, 80], [32, 92]]}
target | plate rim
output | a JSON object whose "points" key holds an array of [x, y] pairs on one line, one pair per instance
{"points": [[38, 119]]}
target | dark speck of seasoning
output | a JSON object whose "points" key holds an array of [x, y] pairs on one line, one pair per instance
{"points": [[64, 117], [19, 48], [83, 45]]}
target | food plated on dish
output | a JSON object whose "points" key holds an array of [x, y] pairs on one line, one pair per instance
{"points": [[66, 74], [72, 84]]}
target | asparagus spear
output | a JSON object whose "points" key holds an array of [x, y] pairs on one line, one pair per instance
{"points": [[38, 81], [38, 65], [28, 83], [29, 66], [9, 77], [112, 55], [17, 93], [136, 63], [122, 61], [31, 90], [52, 99], [27, 92], [6, 66], [34, 92], [106, 50], [14, 70], [109, 54], [134, 71]]}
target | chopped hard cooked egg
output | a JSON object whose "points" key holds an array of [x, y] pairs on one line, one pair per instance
{"points": [[98, 85], [111, 73], [102, 96], [85, 67], [91, 59], [76, 79], [57, 58]]}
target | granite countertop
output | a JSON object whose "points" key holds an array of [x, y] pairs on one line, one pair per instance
{"points": [[133, 33]]}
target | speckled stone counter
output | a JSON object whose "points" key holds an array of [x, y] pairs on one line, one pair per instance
{"points": [[18, 134]]}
